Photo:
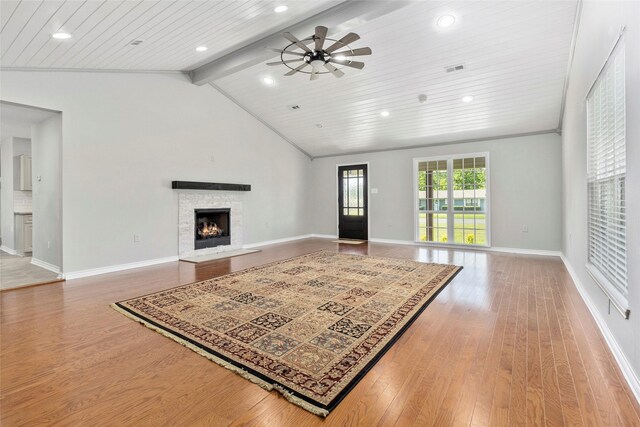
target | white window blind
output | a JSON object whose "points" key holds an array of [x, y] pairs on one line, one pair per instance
{"points": [[606, 173]]}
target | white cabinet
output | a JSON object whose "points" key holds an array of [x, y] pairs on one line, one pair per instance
{"points": [[24, 233], [28, 237], [22, 172]]}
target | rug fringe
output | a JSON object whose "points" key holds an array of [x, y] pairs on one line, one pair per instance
{"points": [[244, 374], [300, 402]]}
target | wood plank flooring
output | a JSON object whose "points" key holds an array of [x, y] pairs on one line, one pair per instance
{"points": [[17, 271], [508, 342]]}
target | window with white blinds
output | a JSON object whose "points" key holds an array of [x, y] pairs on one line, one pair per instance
{"points": [[606, 173]]}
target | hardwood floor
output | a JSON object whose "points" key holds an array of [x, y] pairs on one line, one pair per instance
{"points": [[17, 271], [508, 342]]}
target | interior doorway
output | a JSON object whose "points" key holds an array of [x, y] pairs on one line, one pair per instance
{"points": [[31, 195], [353, 202]]}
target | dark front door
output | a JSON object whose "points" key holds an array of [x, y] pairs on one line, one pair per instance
{"points": [[352, 202]]}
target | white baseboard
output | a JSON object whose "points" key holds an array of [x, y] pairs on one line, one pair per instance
{"points": [[8, 250], [325, 236], [392, 241], [524, 251], [275, 241], [618, 354], [113, 268], [473, 248], [45, 265]]}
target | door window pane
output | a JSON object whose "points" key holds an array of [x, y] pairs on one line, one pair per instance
{"points": [[470, 229], [432, 185], [433, 227], [353, 192]]}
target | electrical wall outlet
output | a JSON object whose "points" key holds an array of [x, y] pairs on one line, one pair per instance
{"points": [[525, 228], [374, 191], [137, 238]]}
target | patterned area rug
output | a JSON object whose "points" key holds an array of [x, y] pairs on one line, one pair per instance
{"points": [[310, 327]]}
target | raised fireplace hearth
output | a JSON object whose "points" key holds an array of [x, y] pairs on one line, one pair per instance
{"points": [[211, 228]]}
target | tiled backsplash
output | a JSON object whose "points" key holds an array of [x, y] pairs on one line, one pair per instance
{"points": [[22, 201]]}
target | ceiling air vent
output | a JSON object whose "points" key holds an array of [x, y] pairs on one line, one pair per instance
{"points": [[293, 107], [452, 68]]}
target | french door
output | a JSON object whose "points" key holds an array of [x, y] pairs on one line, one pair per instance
{"points": [[352, 202], [452, 199]]}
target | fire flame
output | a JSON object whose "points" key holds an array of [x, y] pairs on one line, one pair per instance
{"points": [[210, 230]]}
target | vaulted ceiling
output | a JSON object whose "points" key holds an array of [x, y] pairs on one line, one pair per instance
{"points": [[515, 57]]}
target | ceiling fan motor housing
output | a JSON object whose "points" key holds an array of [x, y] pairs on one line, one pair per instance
{"points": [[316, 59]]}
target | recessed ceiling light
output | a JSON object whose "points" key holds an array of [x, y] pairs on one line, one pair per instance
{"points": [[268, 81], [201, 48], [445, 21], [384, 113], [280, 9], [61, 36], [467, 98], [339, 58]]}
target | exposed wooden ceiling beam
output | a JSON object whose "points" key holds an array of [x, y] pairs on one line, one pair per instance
{"points": [[340, 18]]}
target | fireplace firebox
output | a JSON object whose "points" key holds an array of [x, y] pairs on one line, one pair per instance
{"points": [[212, 228]]}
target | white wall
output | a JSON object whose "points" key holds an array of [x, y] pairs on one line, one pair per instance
{"points": [[525, 190], [46, 149], [126, 136], [12, 201], [6, 192], [599, 27]]}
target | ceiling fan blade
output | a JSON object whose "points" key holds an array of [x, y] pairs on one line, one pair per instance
{"points": [[352, 64], [273, 49], [334, 70], [320, 35], [294, 39], [295, 70], [314, 75], [289, 61], [349, 38], [361, 51]]}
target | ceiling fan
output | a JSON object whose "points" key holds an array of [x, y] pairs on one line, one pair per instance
{"points": [[319, 58]]}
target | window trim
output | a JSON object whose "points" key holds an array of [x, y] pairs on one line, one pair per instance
{"points": [[615, 296], [416, 200]]}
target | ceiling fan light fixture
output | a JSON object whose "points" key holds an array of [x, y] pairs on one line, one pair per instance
{"points": [[317, 64], [61, 36], [445, 21], [280, 9]]}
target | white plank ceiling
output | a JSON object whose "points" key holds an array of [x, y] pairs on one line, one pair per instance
{"points": [[515, 56], [170, 30]]}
